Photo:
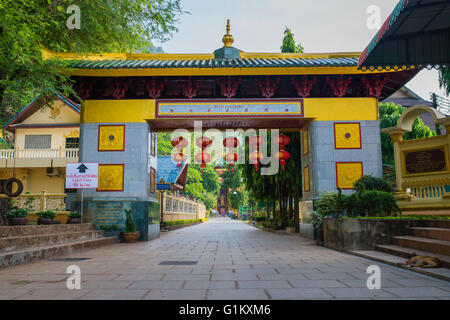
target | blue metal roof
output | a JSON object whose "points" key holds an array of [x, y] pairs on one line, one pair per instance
{"points": [[167, 169]]}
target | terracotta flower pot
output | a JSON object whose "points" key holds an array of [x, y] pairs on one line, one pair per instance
{"points": [[44, 221], [22, 221], [131, 237]]}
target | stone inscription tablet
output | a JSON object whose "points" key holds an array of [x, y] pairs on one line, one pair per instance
{"points": [[431, 160], [109, 213]]}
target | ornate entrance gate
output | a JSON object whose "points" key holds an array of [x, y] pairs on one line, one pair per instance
{"points": [[129, 97]]}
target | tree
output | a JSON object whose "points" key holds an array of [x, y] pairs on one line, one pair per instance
{"points": [[390, 113], [288, 44], [444, 79], [111, 26]]}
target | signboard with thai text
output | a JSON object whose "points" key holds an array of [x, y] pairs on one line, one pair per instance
{"points": [[81, 175]]}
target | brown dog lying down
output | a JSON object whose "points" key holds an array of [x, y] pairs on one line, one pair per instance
{"points": [[422, 262]]}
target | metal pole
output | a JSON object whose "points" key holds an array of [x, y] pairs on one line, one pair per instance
{"points": [[81, 205]]}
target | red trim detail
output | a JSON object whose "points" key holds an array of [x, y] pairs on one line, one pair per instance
{"points": [[303, 85], [229, 86], [157, 115], [267, 86], [117, 87], [110, 125], [123, 176], [154, 87], [189, 87], [360, 137], [339, 84], [336, 165]]}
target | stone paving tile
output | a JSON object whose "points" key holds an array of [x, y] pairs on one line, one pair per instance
{"points": [[317, 284], [234, 261], [155, 284], [112, 294], [237, 294], [276, 284], [54, 294], [298, 294], [408, 292], [175, 295], [350, 293], [209, 285]]}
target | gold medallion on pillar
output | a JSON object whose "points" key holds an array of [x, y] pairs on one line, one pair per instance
{"points": [[110, 177], [111, 137], [347, 136], [347, 173]]}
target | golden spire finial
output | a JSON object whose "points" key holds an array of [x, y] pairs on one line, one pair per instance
{"points": [[228, 38]]}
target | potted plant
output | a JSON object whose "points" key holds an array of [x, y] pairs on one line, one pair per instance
{"points": [[130, 235], [17, 217], [45, 217], [290, 226], [74, 217]]}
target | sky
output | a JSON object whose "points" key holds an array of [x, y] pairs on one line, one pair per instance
{"points": [[258, 25]]}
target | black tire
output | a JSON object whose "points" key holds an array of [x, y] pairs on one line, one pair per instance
{"points": [[7, 187]]}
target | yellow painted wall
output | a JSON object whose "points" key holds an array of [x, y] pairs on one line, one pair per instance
{"points": [[35, 180], [319, 109], [59, 135]]}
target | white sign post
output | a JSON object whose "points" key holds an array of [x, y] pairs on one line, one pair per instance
{"points": [[82, 176]]}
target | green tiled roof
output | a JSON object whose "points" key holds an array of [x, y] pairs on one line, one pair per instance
{"points": [[215, 63]]}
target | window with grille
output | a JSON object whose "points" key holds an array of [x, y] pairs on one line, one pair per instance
{"points": [[72, 143], [38, 141]]}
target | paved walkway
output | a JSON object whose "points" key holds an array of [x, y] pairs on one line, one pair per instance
{"points": [[234, 261]]}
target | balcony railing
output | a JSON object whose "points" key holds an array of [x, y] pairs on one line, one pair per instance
{"points": [[38, 153]]}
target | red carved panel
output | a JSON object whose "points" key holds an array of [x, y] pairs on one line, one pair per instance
{"points": [[339, 84], [303, 85], [267, 86]]}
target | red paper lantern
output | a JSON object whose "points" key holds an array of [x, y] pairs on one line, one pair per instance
{"points": [[203, 158], [256, 157], [283, 140], [203, 142], [255, 141], [231, 158], [179, 158], [282, 156], [231, 143], [179, 143]]}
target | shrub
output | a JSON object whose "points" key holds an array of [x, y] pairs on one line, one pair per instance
{"points": [[368, 182], [317, 220], [17, 213], [326, 204], [46, 214], [130, 225], [267, 224], [74, 215], [112, 227], [277, 224], [260, 219], [291, 223], [181, 222]]}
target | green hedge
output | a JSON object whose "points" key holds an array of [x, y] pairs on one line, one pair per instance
{"points": [[181, 222], [402, 218]]}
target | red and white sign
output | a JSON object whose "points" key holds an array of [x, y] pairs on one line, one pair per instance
{"points": [[82, 175]]}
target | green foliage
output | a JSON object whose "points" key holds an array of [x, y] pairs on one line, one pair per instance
{"points": [[130, 225], [402, 218], [288, 44], [260, 219], [268, 224], [106, 26], [164, 144], [377, 203], [444, 79], [317, 220], [369, 182], [17, 213], [74, 215], [291, 223], [46, 214], [109, 228], [389, 114], [326, 204], [235, 199], [181, 222]]}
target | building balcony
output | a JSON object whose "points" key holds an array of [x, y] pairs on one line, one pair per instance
{"points": [[22, 158]]}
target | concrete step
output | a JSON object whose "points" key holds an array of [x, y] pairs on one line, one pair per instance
{"points": [[432, 233], [424, 244], [22, 242], [17, 231], [35, 254], [409, 252], [438, 223]]}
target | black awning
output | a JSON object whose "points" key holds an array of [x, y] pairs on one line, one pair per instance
{"points": [[417, 33]]}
